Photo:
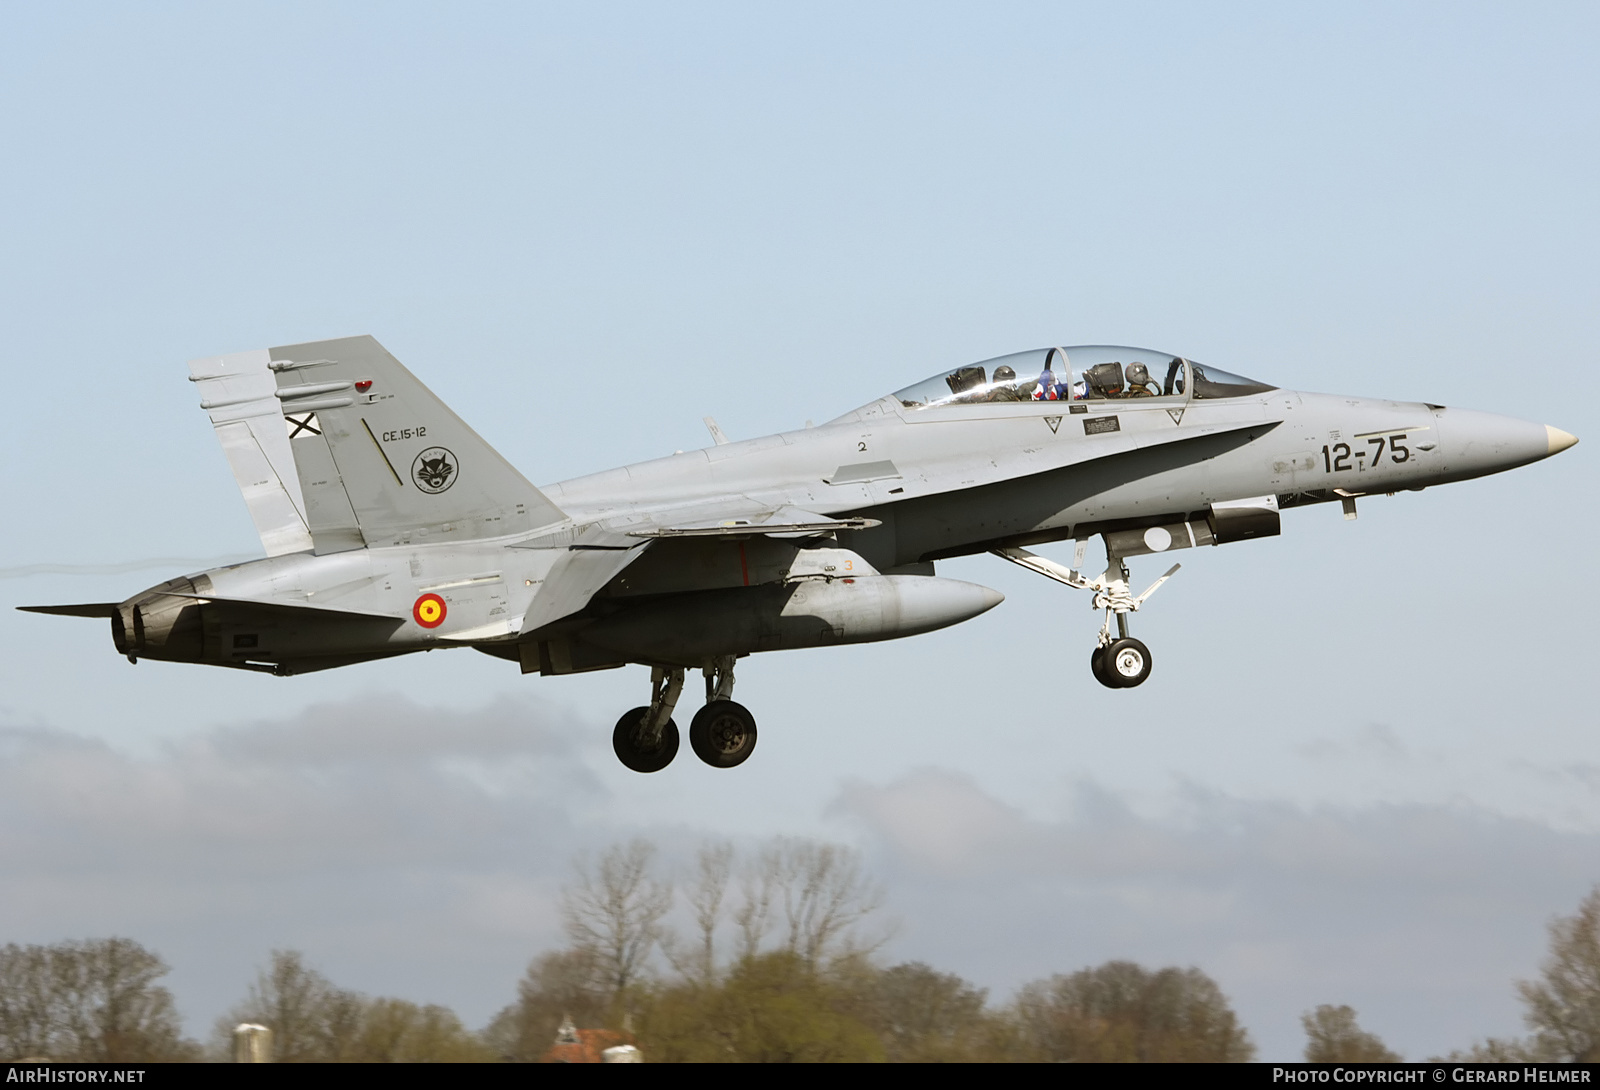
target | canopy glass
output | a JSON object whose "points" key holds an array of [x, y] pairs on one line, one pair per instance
{"points": [[1084, 372]]}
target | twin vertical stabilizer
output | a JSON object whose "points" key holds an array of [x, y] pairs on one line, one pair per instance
{"points": [[336, 446], [237, 391]]}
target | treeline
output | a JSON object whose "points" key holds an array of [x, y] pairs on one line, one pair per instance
{"points": [[95, 1002], [778, 966], [774, 959]]}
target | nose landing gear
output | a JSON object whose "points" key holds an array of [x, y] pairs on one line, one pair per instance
{"points": [[722, 734], [1119, 661]]}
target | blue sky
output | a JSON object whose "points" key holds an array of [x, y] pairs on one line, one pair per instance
{"points": [[1365, 770]]}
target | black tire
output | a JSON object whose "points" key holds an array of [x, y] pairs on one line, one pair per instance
{"points": [[1127, 663], [723, 734], [625, 741], [1097, 666]]}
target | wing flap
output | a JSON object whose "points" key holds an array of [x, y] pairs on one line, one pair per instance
{"points": [[777, 529], [779, 522]]}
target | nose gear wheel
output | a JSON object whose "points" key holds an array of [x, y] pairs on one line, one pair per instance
{"points": [[1124, 664], [1097, 667]]}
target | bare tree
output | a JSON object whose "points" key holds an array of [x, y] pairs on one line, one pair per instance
{"points": [[28, 1020], [759, 884], [615, 911], [1563, 1008], [822, 893], [1332, 1036], [825, 895], [311, 1020], [708, 892], [93, 1001]]}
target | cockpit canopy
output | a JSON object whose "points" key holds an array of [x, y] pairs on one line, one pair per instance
{"points": [[1083, 372]]}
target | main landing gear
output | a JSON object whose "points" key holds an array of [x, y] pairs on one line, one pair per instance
{"points": [[646, 739], [1119, 661], [722, 734]]}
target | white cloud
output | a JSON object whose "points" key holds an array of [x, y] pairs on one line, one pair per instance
{"points": [[1419, 916], [404, 845]]}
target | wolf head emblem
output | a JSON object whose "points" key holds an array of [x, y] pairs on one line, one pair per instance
{"points": [[434, 470]]}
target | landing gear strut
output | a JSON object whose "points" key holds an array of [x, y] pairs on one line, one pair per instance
{"points": [[1119, 661], [723, 733], [646, 739]]}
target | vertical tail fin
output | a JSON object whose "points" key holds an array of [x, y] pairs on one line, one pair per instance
{"points": [[382, 461], [237, 392]]}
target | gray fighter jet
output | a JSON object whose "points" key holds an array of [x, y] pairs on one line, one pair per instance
{"points": [[391, 527]]}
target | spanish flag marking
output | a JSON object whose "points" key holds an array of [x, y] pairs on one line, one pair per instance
{"points": [[429, 611]]}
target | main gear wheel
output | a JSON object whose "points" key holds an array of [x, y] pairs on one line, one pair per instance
{"points": [[723, 734]]}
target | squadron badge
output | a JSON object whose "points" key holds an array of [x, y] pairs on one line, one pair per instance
{"points": [[434, 470]]}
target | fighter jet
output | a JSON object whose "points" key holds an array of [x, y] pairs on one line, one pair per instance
{"points": [[390, 527]]}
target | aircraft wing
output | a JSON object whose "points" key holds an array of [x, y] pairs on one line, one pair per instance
{"points": [[597, 553]]}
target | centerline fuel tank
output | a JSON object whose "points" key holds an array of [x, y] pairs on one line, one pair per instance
{"points": [[690, 629]]}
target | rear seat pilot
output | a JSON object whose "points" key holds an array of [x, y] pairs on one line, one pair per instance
{"points": [[1139, 384]]}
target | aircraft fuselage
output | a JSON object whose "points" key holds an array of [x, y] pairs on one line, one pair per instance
{"points": [[959, 480]]}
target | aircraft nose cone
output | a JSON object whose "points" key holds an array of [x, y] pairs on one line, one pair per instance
{"points": [[992, 597], [1478, 443], [1559, 440]]}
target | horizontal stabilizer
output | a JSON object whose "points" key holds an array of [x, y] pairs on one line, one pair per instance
{"points": [[294, 608], [91, 609]]}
